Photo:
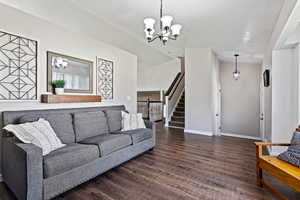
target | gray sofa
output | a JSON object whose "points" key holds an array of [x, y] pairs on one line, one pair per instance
{"points": [[95, 144]]}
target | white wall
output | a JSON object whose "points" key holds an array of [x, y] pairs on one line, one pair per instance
{"points": [[198, 91], [267, 64], [240, 99], [284, 95], [158, 77], [53, 38], [216, 95]]}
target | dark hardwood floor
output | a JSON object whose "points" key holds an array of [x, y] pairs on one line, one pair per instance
{"points": [[182, 166]]}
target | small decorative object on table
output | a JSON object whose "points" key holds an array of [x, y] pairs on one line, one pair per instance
{"points": [[59, 86]]}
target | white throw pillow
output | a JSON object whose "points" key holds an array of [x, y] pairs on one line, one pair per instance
{"points": [[39, 133], [132, 121]]}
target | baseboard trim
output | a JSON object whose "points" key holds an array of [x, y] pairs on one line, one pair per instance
{"points": [[207, 133], [241, 136]]}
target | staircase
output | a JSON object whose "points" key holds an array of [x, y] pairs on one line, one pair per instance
{"points": [[177, 119]]}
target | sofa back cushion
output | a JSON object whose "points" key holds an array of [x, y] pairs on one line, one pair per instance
{"points": [[114, 120], [89, 124], [62, 124]]}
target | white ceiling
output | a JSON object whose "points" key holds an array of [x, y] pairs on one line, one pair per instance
{"points": [[227, 26]]}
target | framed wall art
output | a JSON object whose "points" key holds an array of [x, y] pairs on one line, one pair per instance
{"points": [[105, 73], [18, 67]]}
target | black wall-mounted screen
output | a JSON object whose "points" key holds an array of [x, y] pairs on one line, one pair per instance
{"points": [[267, 78]]}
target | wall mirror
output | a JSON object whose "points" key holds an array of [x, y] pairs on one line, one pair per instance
{"points": [[77, 73]]}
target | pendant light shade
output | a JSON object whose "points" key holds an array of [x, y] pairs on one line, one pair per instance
{"points": [[176, 28], [166, 22], [236, 75], [149, 24]]}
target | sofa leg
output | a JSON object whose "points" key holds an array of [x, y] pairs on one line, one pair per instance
{"points": [[152, 149]]}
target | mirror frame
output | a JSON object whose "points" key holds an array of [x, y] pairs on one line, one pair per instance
{"points": [[50, 55]]}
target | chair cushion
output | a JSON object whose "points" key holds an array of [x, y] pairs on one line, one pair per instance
{"points": [[292, 155], [69, 157], [295, 143], [109, 143], [89, 124], [62, 124], [137, 135], [114, 120]]}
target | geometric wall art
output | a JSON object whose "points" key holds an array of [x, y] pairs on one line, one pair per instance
{"points": [[18, 67], [105, 73]]}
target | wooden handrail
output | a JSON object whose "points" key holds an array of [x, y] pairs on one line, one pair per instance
{"points": [[150, 101], [177, 84], [172, 84]]}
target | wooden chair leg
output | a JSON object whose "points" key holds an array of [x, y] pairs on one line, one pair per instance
{"points": [[259, 177]]}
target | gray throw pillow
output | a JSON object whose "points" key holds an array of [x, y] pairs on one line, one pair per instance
{"points": [[292, 155]]}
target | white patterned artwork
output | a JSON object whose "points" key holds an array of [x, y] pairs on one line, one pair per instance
{"points": [[105, 75], [18, 67]]}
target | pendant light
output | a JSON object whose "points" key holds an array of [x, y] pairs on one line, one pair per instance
{"points": [[236, 73], [167, 29]]}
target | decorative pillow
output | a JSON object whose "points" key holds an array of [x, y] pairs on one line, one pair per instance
{"points": [[132, 121], [61, 123], [39, 133], [292, 155]]}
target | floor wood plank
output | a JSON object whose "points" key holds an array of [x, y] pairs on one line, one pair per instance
{"points": [[182, 166]]}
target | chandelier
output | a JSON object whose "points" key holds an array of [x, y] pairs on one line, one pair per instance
{"points": [[236, 73], [167, 30]]}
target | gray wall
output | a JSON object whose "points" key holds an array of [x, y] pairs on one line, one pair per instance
{"points": [[240, 99]]}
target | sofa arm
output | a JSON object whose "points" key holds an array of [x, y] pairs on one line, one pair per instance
{"points": [[148, 124], [22, 168], [151, 125]]}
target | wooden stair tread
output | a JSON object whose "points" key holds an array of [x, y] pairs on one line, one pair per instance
{"points": [[177, 119]]}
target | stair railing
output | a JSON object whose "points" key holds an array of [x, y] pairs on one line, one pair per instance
{"points": [[172, 96]]}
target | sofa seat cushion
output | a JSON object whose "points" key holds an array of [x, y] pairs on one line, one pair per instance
{"points": [[109, 143], [137, 135], [90, 124], [62, 124], [69, 157]]}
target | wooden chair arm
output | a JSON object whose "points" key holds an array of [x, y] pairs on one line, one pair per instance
{"points": [[260, 145], [271, 144]]}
